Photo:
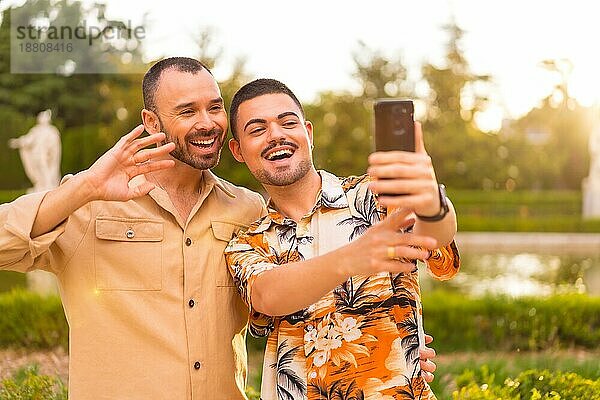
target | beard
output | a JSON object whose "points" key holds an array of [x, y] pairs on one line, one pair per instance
{"points": [[181, 153], [283, 178]]}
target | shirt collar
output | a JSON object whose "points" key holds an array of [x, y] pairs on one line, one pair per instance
{"points": [[331, 195], [210, 180]]}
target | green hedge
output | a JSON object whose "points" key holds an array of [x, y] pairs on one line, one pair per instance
{"points": [[501, 323], [32, 321], [521, 211], [458, 323], [511, 223], [532, 384]]}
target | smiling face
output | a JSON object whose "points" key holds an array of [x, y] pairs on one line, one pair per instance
{"points": [[190, 112], [274, 140]]}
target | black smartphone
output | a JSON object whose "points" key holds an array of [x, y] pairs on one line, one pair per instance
{"points": [[394, 125]]}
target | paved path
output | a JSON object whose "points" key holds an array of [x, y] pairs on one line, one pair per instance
{"points": [[545, 242]]}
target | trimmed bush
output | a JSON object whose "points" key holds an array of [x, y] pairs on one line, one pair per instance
{"points": [[521, 211], [531, 384], [502, 323], [32, 321], [458, 323]]}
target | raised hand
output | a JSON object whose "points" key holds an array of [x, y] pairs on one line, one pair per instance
{"points": [[406, 179], [110, 176], [384, 248]]}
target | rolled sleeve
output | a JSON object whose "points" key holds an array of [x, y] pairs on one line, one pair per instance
{"points": [[18, 249], [444, 262], [245, 264]]}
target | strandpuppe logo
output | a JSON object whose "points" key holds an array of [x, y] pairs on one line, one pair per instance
{"points": [[73, 43]]}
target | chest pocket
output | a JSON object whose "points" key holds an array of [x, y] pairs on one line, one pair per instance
{"points": [[128, 253], [223, 233]]}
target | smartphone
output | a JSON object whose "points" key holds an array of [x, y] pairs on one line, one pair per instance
{"points": [[394, 125]]}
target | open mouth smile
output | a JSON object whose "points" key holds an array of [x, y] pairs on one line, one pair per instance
{"points": [[203, 143], [280, 154]]}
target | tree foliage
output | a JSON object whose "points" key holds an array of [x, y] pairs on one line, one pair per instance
{"points": [[545, 149]]}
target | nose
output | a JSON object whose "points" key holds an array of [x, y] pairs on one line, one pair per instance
{"points": [[203, 122], [275, 133]]}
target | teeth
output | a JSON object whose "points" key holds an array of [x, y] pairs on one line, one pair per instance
{"points": [[203, 142], [279, 153]]}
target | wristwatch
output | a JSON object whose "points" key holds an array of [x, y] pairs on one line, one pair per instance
{"points": [[443, 207]]}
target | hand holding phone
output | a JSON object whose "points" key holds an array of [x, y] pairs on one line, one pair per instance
{"points": [[394, 125]]}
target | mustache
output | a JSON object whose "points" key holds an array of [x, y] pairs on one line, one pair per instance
{"points": [[275, 144], [204, 134]]}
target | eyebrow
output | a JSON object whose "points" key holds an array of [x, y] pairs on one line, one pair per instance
{"points": [[217, 100], [263, 121]]}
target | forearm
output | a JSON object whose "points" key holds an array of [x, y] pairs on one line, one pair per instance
{"points": [[61, 202], [292, 287], [443, 231]]}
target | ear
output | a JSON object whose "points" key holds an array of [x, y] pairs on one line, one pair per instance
{"points": [[150, 121], [234, 147], [309, 129]]}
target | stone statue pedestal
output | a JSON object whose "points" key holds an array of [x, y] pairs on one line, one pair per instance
{"points": [[42, 282], [591, 184], [591, 198]]}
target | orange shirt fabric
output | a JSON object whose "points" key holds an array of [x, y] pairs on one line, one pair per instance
{"points": [[362, 339], [153, 312]]}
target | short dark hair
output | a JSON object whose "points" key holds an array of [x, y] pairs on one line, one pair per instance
{"points": [[254, 89], [152, 78]]}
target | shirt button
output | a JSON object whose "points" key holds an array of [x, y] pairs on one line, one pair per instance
{"points": [[191, 303], [188, 242], [130, 233], [197, 365]]}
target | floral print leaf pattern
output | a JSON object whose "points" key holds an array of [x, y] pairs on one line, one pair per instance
{"points": [[361, 339], [288, 381]]}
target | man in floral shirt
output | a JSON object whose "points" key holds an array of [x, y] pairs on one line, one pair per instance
{"points": [[332, 283]]}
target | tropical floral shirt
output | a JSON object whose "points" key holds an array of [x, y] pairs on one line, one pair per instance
{"points": [[361, 340]]}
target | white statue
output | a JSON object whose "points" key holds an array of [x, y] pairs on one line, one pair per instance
{"points": [[591, 184], [40, 153]]}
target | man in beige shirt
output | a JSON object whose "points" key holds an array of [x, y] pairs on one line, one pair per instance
{"points": [[136, 242]]}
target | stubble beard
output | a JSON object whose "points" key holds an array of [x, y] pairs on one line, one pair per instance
{"points": [[203, 162], [283, 178]]}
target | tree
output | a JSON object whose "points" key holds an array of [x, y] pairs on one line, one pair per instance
{"points": [[90, 110], [455, 96]]}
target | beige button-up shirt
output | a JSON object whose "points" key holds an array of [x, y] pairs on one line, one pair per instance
{"points": [[153, 311]]}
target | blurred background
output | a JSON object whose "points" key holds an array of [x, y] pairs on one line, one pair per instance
{"points": [[509, 97]]}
